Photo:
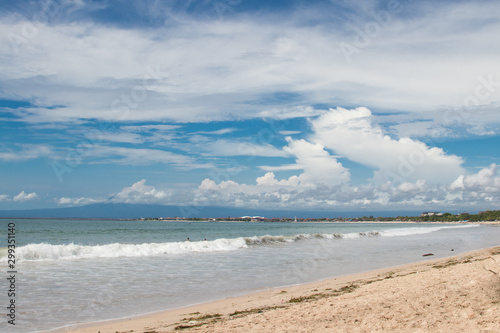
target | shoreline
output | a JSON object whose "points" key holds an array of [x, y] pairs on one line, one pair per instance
{"points": [[238, 221], [276, 303]]}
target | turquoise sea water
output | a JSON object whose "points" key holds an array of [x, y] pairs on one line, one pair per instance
{"points": [[77, 271]]}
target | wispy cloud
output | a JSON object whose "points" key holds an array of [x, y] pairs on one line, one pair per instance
{"points": [[137, 156], [219, 132], [285, 167], [241, 148], [26, 152], [246, 58], [78, 201]]}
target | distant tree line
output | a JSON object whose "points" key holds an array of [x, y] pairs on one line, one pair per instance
{"points": [[489, 215]]}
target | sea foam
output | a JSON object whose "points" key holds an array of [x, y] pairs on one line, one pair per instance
{"points": [[48, 252]]}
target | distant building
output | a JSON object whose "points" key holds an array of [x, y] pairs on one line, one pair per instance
{"points": [[254, 218], [431, 214]]}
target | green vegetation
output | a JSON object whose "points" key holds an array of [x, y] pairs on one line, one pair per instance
{"points": [[256, 310], [201, 320], [489, 215], [344, 290]]}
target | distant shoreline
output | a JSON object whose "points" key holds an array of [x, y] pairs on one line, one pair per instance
{"points": [[240, 221]]}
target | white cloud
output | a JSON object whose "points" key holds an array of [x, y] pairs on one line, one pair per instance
{"points": [[283, 113], [422, 129], [485, 180], [148, 128], [139, 192], [27, 152], [321, 176], [272, 193], [219, 132], [351, 134], [289, 132], [138, 156], [269, 192], [22, 196], [285, 167], [477, 190], [247, 58], [246, 66], [239, 148], [416, 187], [4, 197], [319, 167], [122, 137], [78, 201], [269, 179]]}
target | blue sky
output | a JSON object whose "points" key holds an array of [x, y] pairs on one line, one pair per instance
{"points": [[335, 105]]}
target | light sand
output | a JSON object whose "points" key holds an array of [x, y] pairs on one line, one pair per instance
{"points": [[458, 294]]}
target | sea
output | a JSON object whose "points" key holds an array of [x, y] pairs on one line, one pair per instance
{"points": [[69, 272]]}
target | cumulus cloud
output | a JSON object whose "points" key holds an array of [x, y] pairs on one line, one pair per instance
{"points": [[324, 183], [266, 193], [351, 134], [269, 179], [416, 187], [139, 192], [481, 189], [321, 173], [486, 180], [319, 166], [408, 173], [4, 197], [270, 192], [22, 196]]}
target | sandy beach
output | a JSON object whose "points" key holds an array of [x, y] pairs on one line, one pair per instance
{"points": [[456, 294]]}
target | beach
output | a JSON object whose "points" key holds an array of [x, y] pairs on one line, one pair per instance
{"points": [[108, 271], [455, 294]]}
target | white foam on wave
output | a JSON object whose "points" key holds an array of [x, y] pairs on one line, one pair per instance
{"points": [[420, 230], [72, 251], [354, 235], [47, 252]]}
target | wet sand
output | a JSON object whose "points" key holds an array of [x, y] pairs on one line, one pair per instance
{"points": [[456, 294]]}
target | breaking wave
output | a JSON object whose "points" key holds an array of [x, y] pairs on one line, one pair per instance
{"points": [[49, 252]]}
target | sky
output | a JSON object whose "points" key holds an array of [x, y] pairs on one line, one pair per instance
{"points": [[315, 105]]}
